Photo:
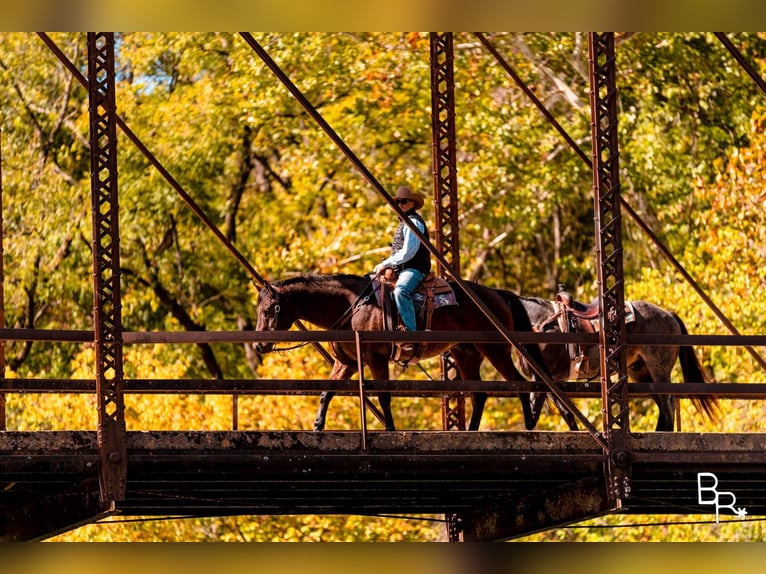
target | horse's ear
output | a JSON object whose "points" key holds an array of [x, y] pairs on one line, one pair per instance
{"points": [[267, 288]]}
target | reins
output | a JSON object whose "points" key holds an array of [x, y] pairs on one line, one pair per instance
{"points": [[361, 297]]}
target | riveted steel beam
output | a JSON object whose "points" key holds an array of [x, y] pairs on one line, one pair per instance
{"points": [[611, 281], [445, 213], [106, 267], [447, 239]]}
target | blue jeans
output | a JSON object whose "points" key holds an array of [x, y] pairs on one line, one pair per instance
{"points": [[409, 280]]}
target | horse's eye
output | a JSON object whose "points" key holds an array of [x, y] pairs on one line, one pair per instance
{"points": [[272, 311]]}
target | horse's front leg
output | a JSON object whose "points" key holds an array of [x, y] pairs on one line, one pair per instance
{"points": [[537, 401], [378, 365], [339, 372], [324, 403], [384, 400]]}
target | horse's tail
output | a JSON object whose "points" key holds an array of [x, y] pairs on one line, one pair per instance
{"points": [[693, 372], [521, 322]]}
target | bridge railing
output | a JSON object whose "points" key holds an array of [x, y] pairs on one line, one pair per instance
{"points": [[362, 387]]}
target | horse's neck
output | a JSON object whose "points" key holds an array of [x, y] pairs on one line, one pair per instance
{"points": [[319, 304]]}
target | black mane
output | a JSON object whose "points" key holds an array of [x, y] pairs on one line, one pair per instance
{"points": [[318, 279]]}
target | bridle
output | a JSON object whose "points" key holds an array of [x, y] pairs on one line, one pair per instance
{"points": [[360, 300], [273, 320]]}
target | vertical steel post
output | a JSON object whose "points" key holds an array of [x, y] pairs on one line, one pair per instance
{"points": [[445, 212], [362, 402], [3, 422], [106, 268], [611, 281], [445, 190]]}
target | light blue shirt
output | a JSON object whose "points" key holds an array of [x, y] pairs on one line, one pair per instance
{"points": [[410, 246]]}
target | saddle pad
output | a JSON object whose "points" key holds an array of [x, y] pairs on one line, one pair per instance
{"points": [[444, 295]]}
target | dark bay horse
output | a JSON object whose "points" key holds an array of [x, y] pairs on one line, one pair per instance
{"points": [[646, 363], [342, 302]]}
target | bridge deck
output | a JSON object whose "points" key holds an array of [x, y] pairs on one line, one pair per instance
{"points": [[49, 480]]}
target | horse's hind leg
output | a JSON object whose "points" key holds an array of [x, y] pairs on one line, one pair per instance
{"points": [[468, 361], [500, 357], [339, 372], [666, 405], [651, 370], [537, 401]]}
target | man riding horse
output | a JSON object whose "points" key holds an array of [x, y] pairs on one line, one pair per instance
{"points": [[409, 259]]}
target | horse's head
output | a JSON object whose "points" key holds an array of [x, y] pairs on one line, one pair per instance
{"points": [[272, 316]]}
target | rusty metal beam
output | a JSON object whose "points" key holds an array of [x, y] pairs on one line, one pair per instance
{"points": [[55, 512], [565, 504], [106, 267], [401, 387], [447, 236], [742, 61], [506, 483], [2, 292], [184, 337], [444, 151], [611, 281]]}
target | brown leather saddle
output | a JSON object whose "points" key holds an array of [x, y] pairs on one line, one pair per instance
{"points": [[577, 317], [433, 293]]}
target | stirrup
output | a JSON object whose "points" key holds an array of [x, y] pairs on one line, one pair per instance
{"points": [[403, 353]]}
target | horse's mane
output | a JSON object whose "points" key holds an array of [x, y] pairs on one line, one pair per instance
{"points": [[538, 300], [320, 281]]}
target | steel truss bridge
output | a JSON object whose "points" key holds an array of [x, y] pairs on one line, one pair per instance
{"points": [[488, 485]]}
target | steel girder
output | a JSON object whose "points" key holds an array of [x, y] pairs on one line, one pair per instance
{"points": [[445, 213], [611, 281], [445, 192], [106, 267]]}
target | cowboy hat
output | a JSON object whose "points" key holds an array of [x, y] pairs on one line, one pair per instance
{"points": [[405, 192]]}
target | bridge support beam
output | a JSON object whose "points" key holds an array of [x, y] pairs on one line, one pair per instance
{"points": [[46, 516], [106, 267], [536, 512], [611, 280], [446, 212]]}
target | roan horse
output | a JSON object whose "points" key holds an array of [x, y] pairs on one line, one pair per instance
{"points": [[646, 363], [346, 302]]}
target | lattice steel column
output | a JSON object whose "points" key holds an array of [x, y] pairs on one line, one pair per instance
{"points": [[444, 162], [106, 267], [445, 190], [445, 214], [611, 281], [3, 422]]}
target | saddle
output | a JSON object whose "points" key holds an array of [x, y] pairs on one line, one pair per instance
{"points": [[576, 317], [433, 293]]}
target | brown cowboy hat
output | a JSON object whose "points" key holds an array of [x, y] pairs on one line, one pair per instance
{"points": [[405, 192]]}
